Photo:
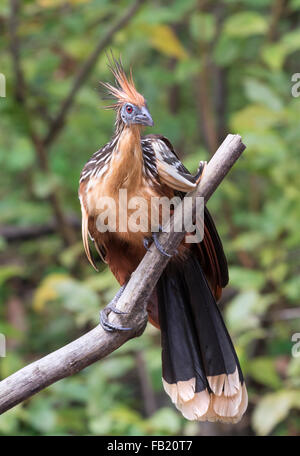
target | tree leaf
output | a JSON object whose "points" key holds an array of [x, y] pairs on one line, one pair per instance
{"points": [[254, 117], [263, 370], [245, 24], [165, 420], [259, 92], [163, 38], [47, 291], [203, 27], [246, 279], [272, 409], [274, 55]]}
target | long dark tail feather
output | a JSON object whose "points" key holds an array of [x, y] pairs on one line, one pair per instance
{"points": [[218, 247], [212, 256], [201, 371]]}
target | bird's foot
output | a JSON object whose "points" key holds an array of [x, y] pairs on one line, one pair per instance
{"points": [[104, 313], [158, 245]]}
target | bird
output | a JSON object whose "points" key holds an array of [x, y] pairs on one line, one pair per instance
{"points": [[200, 368]]}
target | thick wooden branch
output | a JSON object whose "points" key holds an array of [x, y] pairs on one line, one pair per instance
{"points": [[98, 343]]}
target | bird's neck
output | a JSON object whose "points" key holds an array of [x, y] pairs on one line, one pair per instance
{"points": [[127, 159]]}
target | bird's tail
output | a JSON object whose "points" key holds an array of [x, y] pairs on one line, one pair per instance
{"points": [[201, 371]]}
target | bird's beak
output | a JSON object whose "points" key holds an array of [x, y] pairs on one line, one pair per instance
{"points": [[143, 117]]}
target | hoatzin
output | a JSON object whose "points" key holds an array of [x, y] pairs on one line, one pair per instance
{"points": [[200, 368]]}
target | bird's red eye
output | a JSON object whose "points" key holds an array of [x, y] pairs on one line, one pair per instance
{"points": [[129, 109]]}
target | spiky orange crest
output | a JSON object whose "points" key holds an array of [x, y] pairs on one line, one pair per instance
{"points": [[125, 92]]}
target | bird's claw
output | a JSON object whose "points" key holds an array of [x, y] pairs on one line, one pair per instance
{"points": [[158, 245], [112, 308], [109, 326]]}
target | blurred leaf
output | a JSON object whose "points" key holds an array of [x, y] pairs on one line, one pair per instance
{"points": [[9, 422], [101, 425], [165, 14], [40, 415], [117, 366], [185, 69], [254, 118], [291, 41], [259, 92], [262, 369], [272, 409], [226, 50], [10, 364], [203, 27], [246, 279], [240, 313], [70, 389], [47, 291], [76, 295], [22, 157], [7, 272], [165, 420], [44, 185], [291, 288], [245, 24], [165, 41], [70, 255], [274, 55], [102, 281], [245, 310], [248, 241]]}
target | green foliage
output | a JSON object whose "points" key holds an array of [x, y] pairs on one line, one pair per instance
{"points": [[49, 293], [245, 24], [273, 408]]}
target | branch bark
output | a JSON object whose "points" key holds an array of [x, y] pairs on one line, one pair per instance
{"points": [[98, 343]]}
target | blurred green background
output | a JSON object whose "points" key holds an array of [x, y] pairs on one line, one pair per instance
{"points": [[207, 69]]}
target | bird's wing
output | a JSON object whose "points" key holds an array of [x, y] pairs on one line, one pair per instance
{"points": [[173, 173], [169, 168], [85, 233], [94, 168], [98, 164]]}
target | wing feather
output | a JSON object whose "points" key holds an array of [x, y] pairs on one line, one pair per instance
{"points": [[170, 176], [170, 169], [85, 234]]}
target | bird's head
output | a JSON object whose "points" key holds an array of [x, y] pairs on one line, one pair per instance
{"points": [[130, 104]]}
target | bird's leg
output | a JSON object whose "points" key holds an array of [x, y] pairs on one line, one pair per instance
{"points": [[158, 245], [112, 308]]}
